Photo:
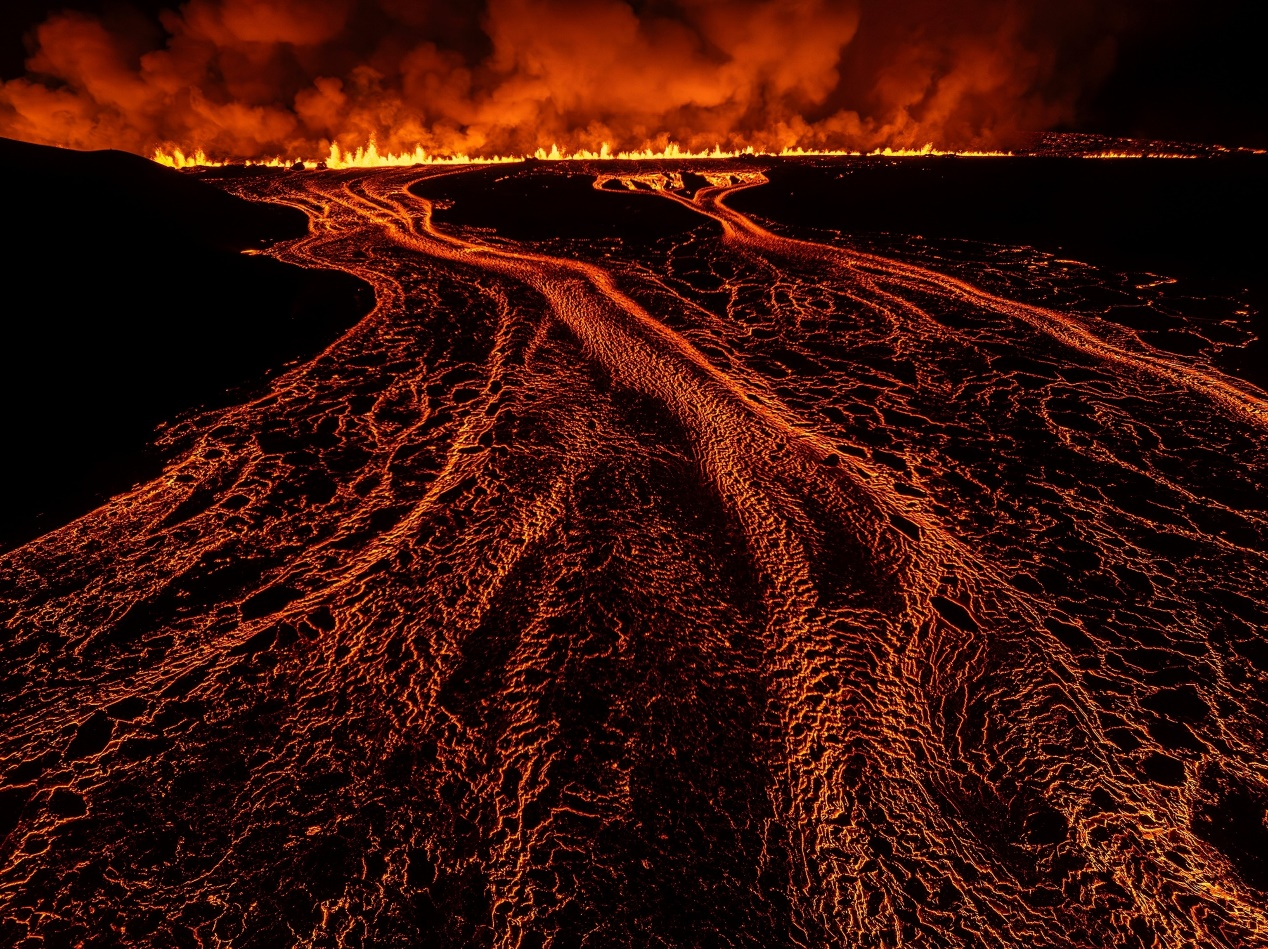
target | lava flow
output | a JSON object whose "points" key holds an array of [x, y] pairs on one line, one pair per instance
{"points": [[723, 586]]}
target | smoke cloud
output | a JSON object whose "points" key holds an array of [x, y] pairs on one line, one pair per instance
{"points": [[256, 78]]}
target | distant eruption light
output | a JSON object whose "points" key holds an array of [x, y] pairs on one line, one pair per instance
{"points": [[450, 83], [369, 156]]}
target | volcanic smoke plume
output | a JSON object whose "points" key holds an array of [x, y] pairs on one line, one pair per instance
{"points": [[251, 78]]}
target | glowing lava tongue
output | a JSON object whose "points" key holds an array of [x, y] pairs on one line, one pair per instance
{"points": [[722, 583]]}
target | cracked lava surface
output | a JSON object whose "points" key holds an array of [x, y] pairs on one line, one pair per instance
{"points": [[736, 587]]}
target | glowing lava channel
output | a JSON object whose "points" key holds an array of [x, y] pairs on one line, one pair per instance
{"points": [[369, 156]]}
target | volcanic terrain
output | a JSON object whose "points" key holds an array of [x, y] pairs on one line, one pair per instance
{"points": [[678, 554]]}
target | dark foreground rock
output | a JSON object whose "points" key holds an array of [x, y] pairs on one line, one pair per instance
{"points": [[128, 300]]}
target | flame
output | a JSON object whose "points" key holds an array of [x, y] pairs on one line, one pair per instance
{"points": [[366, 156], [928, 150], [1115, 154], [177, 158], [369, 156]]}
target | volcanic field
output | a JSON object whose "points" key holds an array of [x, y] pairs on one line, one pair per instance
{"points": [[748, 552]]}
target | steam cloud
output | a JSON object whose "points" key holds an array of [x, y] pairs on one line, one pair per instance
{"points": [[253, 78]]}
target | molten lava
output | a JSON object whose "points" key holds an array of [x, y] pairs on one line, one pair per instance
{"points": [[721, 585], [368, 156]]}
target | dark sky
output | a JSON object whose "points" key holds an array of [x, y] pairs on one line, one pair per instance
{"points": [[1197, 73], [1167, 69]]}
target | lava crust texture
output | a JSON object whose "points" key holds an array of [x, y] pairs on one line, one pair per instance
{"points": [[677, 579]]}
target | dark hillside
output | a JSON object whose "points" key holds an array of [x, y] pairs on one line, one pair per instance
{"points": [[127, 300]]}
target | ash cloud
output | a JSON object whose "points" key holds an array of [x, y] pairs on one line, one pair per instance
{"points": [[254, 78]]}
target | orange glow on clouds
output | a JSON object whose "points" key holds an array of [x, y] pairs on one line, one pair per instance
{"points": [[255, 79]]}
